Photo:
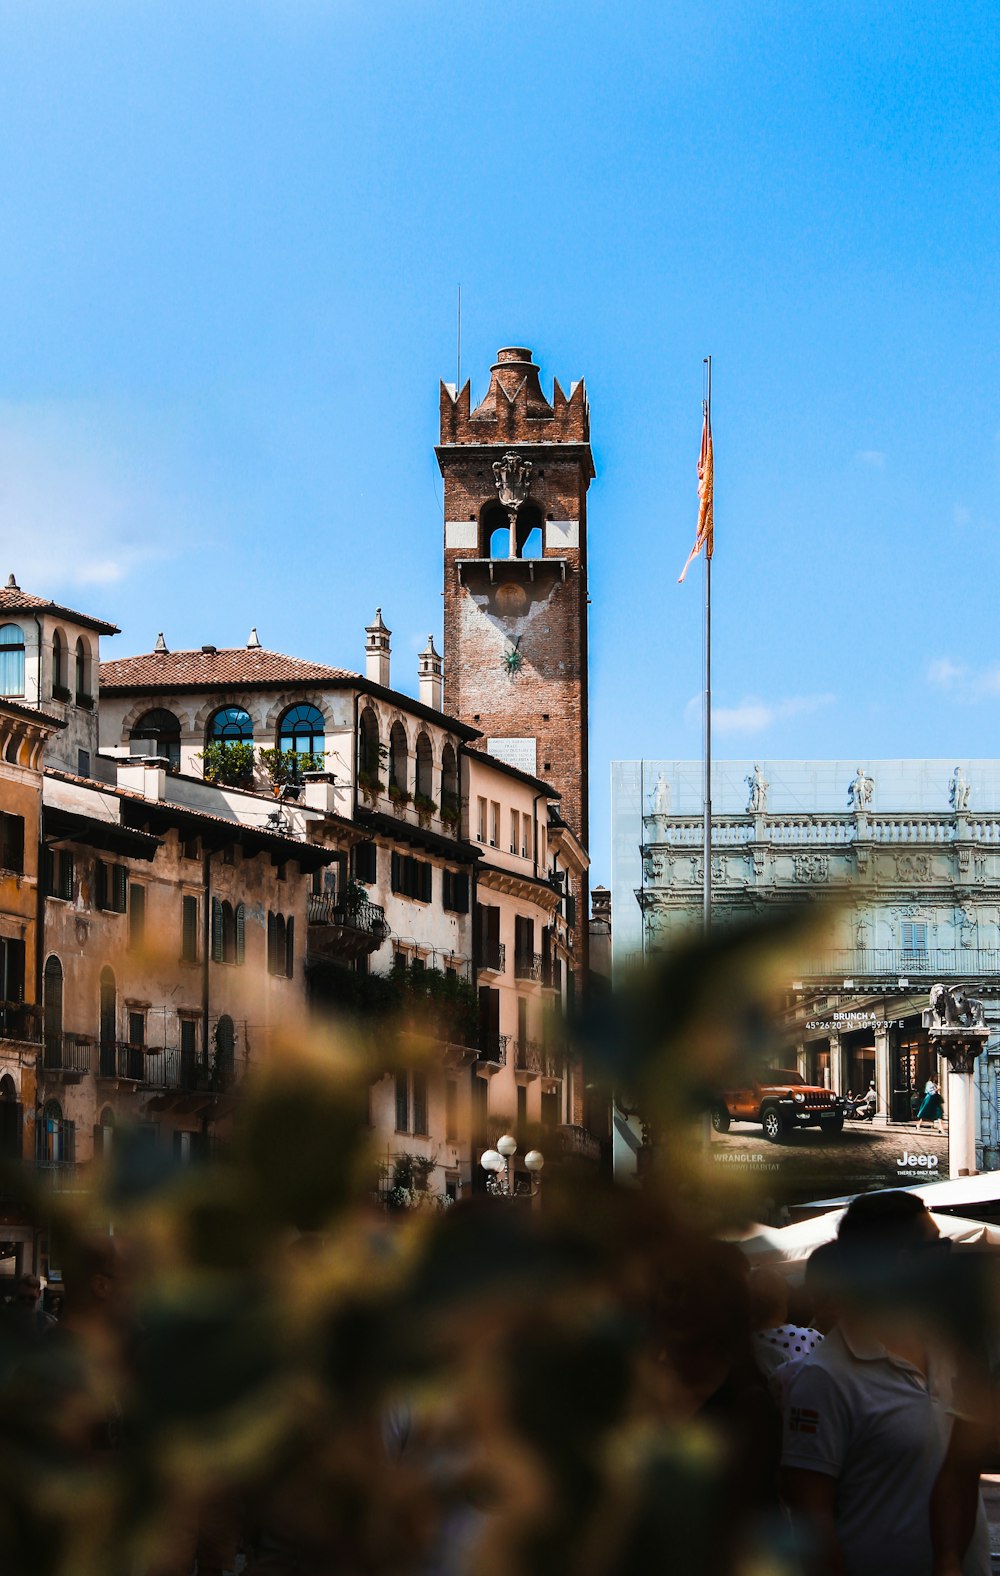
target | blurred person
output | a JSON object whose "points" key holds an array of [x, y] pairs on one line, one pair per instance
{"points": [[776, 1339], [931, 1107], [866, 1419], [25, 1315]]}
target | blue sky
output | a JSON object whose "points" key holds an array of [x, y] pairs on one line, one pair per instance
{"points": [[232, 236]]}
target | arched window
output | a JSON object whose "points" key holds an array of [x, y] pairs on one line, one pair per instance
{"points": [[425, 767], [52, 1009], [228, 932], [225, 1051], [55, 1137], [399, 761], [160, 729], [368, 746], [280, 944], [449, 784], [11, 1121], [303, 729], [529, 528], [494, 531], [109, 1022], [230, 724], [60, 666], [11, 659], [82, 655]]}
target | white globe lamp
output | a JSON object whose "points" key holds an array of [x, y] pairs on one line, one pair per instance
{"points": [[507, 1145], [492, 1160], [534, 1160]]}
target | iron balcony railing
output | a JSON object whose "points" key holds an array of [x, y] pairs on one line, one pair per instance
{"points": [[531, 1056], [894, 963], [68, 1053], [578, 1141], [20, 1021], [119, 1060], [493, 1049], [527, 965], [493, 956], [368, 918]]}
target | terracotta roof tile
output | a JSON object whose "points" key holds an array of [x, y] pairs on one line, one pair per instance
{"points": [[215, 668], [14, 600]]}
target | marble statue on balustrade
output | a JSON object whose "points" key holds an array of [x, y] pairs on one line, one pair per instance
{"points": [[958, 791], [659, 799], [859, 793], [758, 786]]}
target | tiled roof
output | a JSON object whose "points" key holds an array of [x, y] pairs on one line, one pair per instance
{"points": [[14, 600], [214, 668]]}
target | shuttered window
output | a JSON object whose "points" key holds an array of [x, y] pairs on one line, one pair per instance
{"points": [[366, 862], [136, 914], [189, 929], [241, 933], [402, 1103], [419, 1102], [455, 891], [12, 843], [218, 938], [411, 877]]}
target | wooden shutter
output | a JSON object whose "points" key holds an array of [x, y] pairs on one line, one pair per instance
{"points": [[394, 880], [12, 843], [66, 876], [426, 881], [120, 888], [289, 947], [189, 929], [402, 1103], [100, 884], [217, 936], [419, 1102], [241, 932]]}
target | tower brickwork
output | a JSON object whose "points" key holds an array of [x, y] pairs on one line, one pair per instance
{"points": [[516, 471]]}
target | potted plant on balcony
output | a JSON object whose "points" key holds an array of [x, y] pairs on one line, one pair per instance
{"points": [[399, 797], [425, 807], [287, 766], [228, 762], [451, 810]]}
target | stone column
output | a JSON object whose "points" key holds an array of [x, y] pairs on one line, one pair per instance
{"points": [[960, 1046], [838, 1065], [883, 1084]]}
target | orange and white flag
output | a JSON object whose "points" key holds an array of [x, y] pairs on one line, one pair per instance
{"points": [[705, 536]]}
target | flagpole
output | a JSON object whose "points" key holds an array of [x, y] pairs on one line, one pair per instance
{"points": [[707, 879]]}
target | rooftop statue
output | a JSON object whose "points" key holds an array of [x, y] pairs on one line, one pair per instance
{"points": [[660, 797], [758, 786], [958, 791], [859, 794]]}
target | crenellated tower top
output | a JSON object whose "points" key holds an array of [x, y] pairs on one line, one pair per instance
{"points": [[514, 409]]}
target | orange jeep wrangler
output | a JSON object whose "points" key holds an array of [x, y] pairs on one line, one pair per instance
{"points": [[779, 1100]]}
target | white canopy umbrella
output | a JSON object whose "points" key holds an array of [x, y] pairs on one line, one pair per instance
{"points": [[788, 1247]]}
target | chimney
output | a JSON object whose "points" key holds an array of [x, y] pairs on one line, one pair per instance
{"points": [[377, 651], [161, 649], [253, 640], [430, 676]]}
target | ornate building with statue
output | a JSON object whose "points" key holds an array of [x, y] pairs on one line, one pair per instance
{"points": [[908, 852]]}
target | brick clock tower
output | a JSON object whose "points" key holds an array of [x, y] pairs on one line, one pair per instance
{"points": [[516, 472]]}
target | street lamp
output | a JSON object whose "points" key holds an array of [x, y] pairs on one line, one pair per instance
{"points": [[496, 1164]]}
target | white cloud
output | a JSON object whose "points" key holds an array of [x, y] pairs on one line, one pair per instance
{"points": [[943, 673], [873, 459], [963, 683], [74, 508], [752, 715]]}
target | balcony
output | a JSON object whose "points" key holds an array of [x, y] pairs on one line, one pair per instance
{"points": [[20, 1021], [492, 1052], [551, 973], [344, 929], [536, 1060], [68, 1056], [888, 965], [492, 957], [122, 1062], [578, 1143], [527, 965]]}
